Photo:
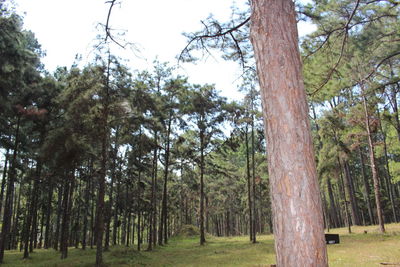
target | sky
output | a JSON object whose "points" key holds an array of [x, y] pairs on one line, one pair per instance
{"points": [[66, 28]]}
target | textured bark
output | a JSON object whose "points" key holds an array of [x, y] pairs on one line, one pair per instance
{"points": [[296, 203]]}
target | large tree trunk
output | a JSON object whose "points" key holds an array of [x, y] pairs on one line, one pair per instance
{"points": [[296, 203]]}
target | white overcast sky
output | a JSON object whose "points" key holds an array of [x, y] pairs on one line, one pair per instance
{"points": [[65, 28]]}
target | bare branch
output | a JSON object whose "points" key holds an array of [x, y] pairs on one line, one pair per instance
{"points": [[208, 35], [346, 35]]}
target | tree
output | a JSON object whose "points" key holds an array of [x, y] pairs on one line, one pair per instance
{"points": [[296, 203], [203, 106]]}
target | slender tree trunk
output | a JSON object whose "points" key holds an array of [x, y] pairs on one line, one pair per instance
{"points": [[86, 212], [34, 206], [351, 194], [65, 218], [8, 207], [28, 222], [3, 181], [16, 220], [49, 211], [41, 237], [367, 191], [374, 170], [153, 212], [388, 176], [343, 191], [155, 196], [334, 211], [116, 222], [296, 204], [58, 222], [111, 194], [253, 163], [164, 213], [249, 185], [103, 168], [201, 219]]}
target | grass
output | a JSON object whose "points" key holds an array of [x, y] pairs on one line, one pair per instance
{"points": [[355, 250]]}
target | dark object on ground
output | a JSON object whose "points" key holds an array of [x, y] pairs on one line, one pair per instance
{"points": [[393, 264], [332, 238]]}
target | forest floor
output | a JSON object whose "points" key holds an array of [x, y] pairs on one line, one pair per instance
{"points": [[358, 249]]}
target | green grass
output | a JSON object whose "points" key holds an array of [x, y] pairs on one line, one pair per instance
{"points": [[355, 250]]}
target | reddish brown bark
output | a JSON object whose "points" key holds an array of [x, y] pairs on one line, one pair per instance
{"points": [[296, 203]]}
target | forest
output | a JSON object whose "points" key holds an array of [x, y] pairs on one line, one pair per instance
{"points": [[101, 156]]}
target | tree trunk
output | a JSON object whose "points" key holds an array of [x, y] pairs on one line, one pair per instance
{"points": [[343, 191], [163, 235], [387, 173], [116, 222], [58, 222], [367, 190], [65, 218], [111, 193], [49, 210], [34, 206], [296, 204], [253, 163], [3, 181], [332, 204], [103, 168], [351, 193], [153, 213], [374, 169], [201, 219], [86, 212], [8, 207], [249, 185]]}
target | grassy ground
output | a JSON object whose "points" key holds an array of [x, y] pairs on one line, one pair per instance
{"points": [[355, 250]]}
